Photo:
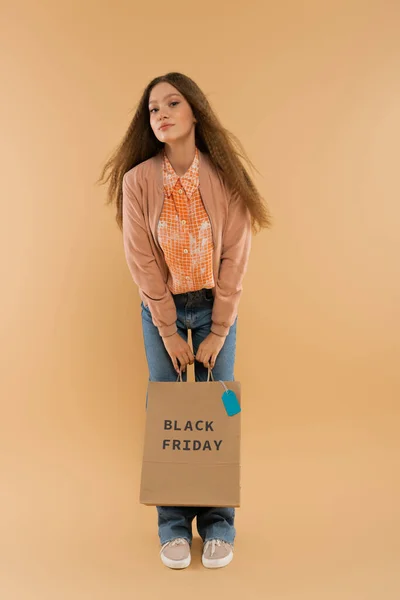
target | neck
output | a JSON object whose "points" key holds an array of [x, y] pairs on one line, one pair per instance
{"points": [[181, 155]]}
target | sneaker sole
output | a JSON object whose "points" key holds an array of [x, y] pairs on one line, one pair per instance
{"points": [[216, 563], [176, 564]]}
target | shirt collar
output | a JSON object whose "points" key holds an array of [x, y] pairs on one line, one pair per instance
{"points": [[189, 181]]}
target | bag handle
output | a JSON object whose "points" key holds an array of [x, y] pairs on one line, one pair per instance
{"points": [[210, 374], [229, 398]]}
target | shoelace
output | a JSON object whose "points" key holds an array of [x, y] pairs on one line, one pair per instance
{"points": [[175, 542], [215, 543]]}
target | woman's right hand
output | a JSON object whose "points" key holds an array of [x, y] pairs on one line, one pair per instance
{"points": [[179, 350]]}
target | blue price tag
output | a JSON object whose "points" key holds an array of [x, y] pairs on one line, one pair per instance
{"points": [[231, 403]]}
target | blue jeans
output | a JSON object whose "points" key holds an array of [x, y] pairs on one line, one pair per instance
{"points": [[193, 312]]}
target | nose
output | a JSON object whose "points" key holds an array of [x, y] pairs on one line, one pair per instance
{"points": [[161, 115]]}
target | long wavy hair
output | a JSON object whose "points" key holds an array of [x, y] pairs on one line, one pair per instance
{"points": [[223, 147]]}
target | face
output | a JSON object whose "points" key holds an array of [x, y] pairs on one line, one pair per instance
{"points": [[167, 106]]}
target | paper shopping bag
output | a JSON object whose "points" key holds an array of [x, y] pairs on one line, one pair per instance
{"points": [[191, 454]]}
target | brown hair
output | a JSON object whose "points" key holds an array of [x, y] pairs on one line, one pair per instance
{"points": [[223, 148]]}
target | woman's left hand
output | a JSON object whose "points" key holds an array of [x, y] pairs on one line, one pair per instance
{"points": [[209, 349]]}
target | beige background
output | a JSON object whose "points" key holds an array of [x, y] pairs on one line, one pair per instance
{"points": [[313, 91]]}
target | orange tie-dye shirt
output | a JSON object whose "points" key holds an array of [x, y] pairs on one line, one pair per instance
{"points": [[184, 231]]}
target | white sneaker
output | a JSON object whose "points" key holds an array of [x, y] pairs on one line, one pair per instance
{"points": [[216, 554], [176, 554]]}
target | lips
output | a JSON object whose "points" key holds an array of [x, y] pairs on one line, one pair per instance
{"points": [[165, 126]]}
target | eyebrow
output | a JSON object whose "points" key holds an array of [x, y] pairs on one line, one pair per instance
{"points": [[165, 97]]}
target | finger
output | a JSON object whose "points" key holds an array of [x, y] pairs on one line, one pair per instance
{"points": [[186, 361], [212, 361], [183, 360], [206, 361], [175, 363], [190, 355]]}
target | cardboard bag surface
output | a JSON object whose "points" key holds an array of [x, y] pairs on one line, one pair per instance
{"points": [[191, 453]]}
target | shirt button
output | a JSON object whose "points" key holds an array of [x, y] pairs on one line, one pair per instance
{"points": [[183, 222], [185, 251], [187, 277], [180, 191]]}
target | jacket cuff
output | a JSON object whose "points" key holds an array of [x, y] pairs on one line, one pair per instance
{"points": [[167, 330], [220, 330]]}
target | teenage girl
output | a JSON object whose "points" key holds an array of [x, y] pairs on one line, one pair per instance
{"points": [[187, 208]]}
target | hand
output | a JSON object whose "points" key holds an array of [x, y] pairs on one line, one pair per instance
{"points": [[180, 350], [209, 349]]}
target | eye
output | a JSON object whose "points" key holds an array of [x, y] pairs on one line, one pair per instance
{"points": [[174, 103]]}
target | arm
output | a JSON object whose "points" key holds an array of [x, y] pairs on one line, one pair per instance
{"points": [[142, 263], [236, 245]]}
